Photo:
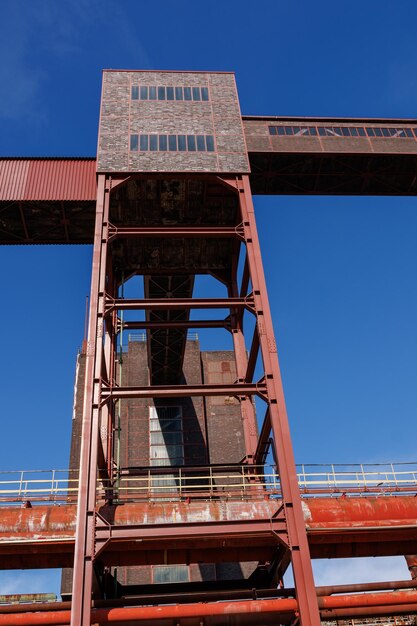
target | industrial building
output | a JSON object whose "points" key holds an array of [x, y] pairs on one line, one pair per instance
{"points": [[187, 507]]}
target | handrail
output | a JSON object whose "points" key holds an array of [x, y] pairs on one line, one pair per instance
{"points": [[228, 481]]}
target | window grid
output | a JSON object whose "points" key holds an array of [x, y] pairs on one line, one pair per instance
{"points": [[160, 92], [166, 436], [171, 143], [343, 131], [170, 574]]}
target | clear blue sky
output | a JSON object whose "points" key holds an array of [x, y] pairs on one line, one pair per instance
{"points": [[341, 271]]}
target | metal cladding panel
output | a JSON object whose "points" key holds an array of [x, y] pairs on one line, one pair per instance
{"points": [[47, 179], [13, 178], [170, 122], [330, 136]]}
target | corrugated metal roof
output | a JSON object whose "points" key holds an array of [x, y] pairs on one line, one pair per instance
{"points": [[47, 179]]}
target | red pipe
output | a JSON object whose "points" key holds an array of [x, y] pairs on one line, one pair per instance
{"points": [[369, 611], [247, 607], [207, 596]]}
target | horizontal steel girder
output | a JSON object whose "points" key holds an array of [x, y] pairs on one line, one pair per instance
{"points": [[182, 391], [173, 231], [180, 324], [43, 536], [177, 303]]}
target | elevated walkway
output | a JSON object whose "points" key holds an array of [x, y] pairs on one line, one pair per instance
{"points": [[235, 512]]}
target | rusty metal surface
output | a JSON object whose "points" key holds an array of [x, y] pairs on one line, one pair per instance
{"points": [[240, 611], [354, 523]]}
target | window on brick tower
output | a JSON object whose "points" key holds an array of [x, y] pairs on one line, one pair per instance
{"points": [[166, 436]]}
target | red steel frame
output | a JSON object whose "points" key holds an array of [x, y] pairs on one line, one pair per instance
{"points": [[100, 391]]}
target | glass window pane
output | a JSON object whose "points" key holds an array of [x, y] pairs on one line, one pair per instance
{"points": [[296, 130], [407, 131], [196, 93], [135, 92], [346, 132], [160, 438], [170, 93], [171, 412], [182, 145], [272, 130], [201, 144], [172, 142], [153, 142], [143, 93], [210, 143], [144, 143], [159, 452], [178, 93], [322, 131], [370, 132], [354, 132], [204, 93], [313, 131], [191, 143], [133, 142], [385, 132], [187, 93], [170, 425], [361, 132], [288, 130], [152, 93], [163, 143], [174, 452], [281, 130], [337, 131], [170, 574], [415, 132], [161, 93]]}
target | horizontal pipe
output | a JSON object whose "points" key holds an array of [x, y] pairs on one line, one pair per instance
{"points": [[370, 611], [205, 596], [362, 587], [246, 607]]}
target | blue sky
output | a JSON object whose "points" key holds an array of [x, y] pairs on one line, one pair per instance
{"points": [[341, 271]]}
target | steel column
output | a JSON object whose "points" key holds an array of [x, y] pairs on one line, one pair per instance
{"points": [[85, 526], [300, 555], [241, 360]]}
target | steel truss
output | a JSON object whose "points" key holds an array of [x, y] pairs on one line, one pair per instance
{"points": [[247, 293]]}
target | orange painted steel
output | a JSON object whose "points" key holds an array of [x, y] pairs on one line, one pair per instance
{"points": [[287, 606], [358, 525], [359, 512]]}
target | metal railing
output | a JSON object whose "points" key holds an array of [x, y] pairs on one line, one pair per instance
{"points": [[142, 336], [38, 485], [216, 482], [394, 620]]}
